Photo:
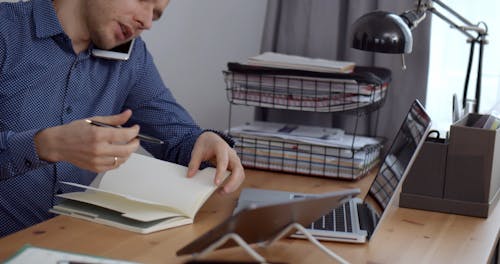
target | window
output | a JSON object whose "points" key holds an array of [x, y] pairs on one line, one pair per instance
{"points": [[449, 54]]}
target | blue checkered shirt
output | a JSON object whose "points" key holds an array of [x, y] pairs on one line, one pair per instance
{"points": [[43, 83]]}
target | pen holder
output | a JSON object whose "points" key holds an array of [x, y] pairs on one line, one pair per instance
{"points": [[426, 177], [461, 176]]}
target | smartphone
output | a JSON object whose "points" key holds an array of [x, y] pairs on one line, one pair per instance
{"points": [[121, 52]]}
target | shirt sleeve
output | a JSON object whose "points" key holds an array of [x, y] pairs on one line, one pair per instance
{"points": [[159, 115], [18, 153], [2, 52]]}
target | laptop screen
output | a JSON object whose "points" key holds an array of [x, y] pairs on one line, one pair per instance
{"points": [[398, 159]]}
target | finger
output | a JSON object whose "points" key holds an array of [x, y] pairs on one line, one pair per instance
{"points": [[110, 163], [100, 154], [118, 161], [221, 168], [115, 120], [106, 163], [237, 175], [114, 135], [123, 135], [121, 150], [100, 164], [235, 180], [195, 162]]}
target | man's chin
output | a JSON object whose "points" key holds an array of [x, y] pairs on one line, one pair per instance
{"points": [[106, 44], [104, 47]]}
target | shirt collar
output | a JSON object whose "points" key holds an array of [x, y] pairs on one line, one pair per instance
{"points": [[45, 18]]}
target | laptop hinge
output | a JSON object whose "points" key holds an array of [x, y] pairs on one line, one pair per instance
{"points": [[366, 221]]}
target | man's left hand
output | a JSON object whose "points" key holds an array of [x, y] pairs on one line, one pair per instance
{"points": [[211, 147]]}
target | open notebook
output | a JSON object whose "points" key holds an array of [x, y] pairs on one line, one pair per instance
{"points": [[143, 195]]}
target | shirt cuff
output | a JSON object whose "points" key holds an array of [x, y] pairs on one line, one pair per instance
{"points": [[23, 152]]}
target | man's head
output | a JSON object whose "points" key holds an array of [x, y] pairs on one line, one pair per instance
{"points": [[114, 22]]}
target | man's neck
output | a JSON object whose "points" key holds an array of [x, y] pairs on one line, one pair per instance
{"points": [[71, 16]]}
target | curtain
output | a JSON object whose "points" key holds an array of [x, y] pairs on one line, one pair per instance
{"points": [[320, 29]]}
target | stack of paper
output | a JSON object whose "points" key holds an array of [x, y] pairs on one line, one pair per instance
{"points": [[487, 122], [284, 61], [298, 90], [32, 254], [301, 94], [305, 149]]}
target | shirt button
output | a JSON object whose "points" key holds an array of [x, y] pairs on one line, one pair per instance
{"points": [[69, 110], [27, 162]]}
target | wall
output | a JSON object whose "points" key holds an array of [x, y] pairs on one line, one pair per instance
{"points": [[192, 43]]}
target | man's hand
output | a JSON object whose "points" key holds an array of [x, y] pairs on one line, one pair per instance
{"points": [[210, 146], [89, 147]]}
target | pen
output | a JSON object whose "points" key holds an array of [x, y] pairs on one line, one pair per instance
{"points": [[140, 136]]}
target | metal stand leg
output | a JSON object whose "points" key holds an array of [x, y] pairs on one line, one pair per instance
{"points": [[311, 238], [238, 240], [261, 259]]}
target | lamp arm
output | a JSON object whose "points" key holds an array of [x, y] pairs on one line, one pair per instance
{"points": [[469, 26], [454, 25], [453, 12], [480, 38]]}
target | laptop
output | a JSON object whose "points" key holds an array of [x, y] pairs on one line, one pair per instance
{"points": [[357, 219]]}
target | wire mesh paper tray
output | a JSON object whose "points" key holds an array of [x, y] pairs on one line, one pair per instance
{"points": [[307, 159], [304, 93]]}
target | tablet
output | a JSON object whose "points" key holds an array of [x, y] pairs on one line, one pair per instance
{"points": [[256, 223]]}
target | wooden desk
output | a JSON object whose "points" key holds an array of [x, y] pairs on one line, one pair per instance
{"points": [[405, 236]]}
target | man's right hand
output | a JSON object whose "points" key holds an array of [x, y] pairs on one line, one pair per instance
{"points": [[89, 147]]}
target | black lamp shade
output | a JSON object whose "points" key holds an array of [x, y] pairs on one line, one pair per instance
{"points": [[381, 31]]}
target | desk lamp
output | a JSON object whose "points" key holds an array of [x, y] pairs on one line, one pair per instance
{"points": [[385, 32]]}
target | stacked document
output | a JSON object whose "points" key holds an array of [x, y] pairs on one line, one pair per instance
{"points": [[304, 90], [319, 95], [306, 149], [490, 122], [284, 61], [32, 254]]}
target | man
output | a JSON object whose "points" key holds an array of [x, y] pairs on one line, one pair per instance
{"points": [[50, 83]]}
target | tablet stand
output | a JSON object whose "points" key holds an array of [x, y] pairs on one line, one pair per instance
{"points": [[260, 258]]}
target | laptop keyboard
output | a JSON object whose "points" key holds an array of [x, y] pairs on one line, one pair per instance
{"points": [[338, 219]]}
